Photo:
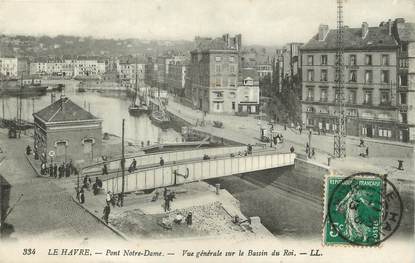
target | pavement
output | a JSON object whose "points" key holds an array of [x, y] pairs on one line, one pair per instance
{"points": [[383, 155], [46, 209], [147, 212]]}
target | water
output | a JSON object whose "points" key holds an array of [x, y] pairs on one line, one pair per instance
{"points": [[111, 106]]}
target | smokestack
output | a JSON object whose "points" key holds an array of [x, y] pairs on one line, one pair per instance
{"points": [[365, 29]]}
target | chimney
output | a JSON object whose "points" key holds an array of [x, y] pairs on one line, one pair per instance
{"points": [[390, 27], [365, 29], [323, 30]]}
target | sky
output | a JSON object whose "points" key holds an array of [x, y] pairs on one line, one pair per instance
{"points": [[262, 22]]}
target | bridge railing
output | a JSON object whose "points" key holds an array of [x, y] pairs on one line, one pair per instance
{"points": [[196, 170], [172, 156]]}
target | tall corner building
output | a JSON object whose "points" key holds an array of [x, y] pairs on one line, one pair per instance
{"points": [[378, 77], [214, 68]]}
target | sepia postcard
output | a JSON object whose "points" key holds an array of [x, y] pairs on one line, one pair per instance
{"points": [[207, 131]]}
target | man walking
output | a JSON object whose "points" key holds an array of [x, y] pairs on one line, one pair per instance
{"points": [[161, 161], [106, 213]]}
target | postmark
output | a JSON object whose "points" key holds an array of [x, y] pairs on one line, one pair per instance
{"points": [[363, 209]]}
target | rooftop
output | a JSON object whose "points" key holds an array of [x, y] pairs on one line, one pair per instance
{"points": [[64, 110], [376, 38], [406, 31]]}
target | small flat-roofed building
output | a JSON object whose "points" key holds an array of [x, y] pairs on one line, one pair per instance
{"points": [[65, 131]]}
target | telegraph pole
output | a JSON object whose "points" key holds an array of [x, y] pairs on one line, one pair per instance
{"points": [[122, 164], [339, 137]]}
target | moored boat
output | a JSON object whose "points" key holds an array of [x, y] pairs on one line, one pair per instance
{"points": [[160, 118]]}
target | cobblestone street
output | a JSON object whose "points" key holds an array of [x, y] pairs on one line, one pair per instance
{"points": [[45, 210]]}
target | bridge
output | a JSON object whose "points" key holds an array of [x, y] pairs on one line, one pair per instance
{"points": [[183, 167], [145, 160]]}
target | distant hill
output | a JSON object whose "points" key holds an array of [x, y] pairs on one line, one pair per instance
{"points": [[30, 46], [61, 45]]}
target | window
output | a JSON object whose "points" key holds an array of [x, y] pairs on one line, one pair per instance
{"points": [[385, 76], [352, 60], [231, 59], [310, 75], [60, 148], [310, 60], [323, 59], [217, 68], [403, 62], [88, 145], [232, 82], [404, 117], [218, 82], [367, 97], [224, 82], [403, 80], [232, 68], [310, 94], [218, 94], [352, 112], [385, 133], [368, 76], [353, 76], [323, 76], [403, 98], [385, 60], [218, 59], [384, 97], [352, 97], [323, 95], [368, 60]]}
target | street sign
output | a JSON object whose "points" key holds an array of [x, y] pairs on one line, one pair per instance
{"points": [[51, 153]]}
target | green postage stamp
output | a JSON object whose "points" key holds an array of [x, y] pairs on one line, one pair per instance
{"points": [[353, 210]]}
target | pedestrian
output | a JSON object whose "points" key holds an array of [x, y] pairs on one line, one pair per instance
{"points": [[167, 204], [71, 167], [161, 161], [55, 170], [108, 198], [104, 169], [119, 199], [165, 192], [28, 150], [82, 196], [43, 168], [50, 170], [362, 143], [300, 129], [367, 152], [67, 170], [106, 212], [189, 219], [60, 171], [249, 149], [142, 144], [313, 152], [292, 149], [86, 182], [285, 126]]}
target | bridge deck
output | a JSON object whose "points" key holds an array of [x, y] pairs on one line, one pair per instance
{"points": [[195, 170]]}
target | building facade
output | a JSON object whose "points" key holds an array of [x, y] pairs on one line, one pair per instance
{"points": [[248, 96], [64, 131], [405, 35], [8, 67], [370, 82], [214, 75], [287, 64], [177, 77]]}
